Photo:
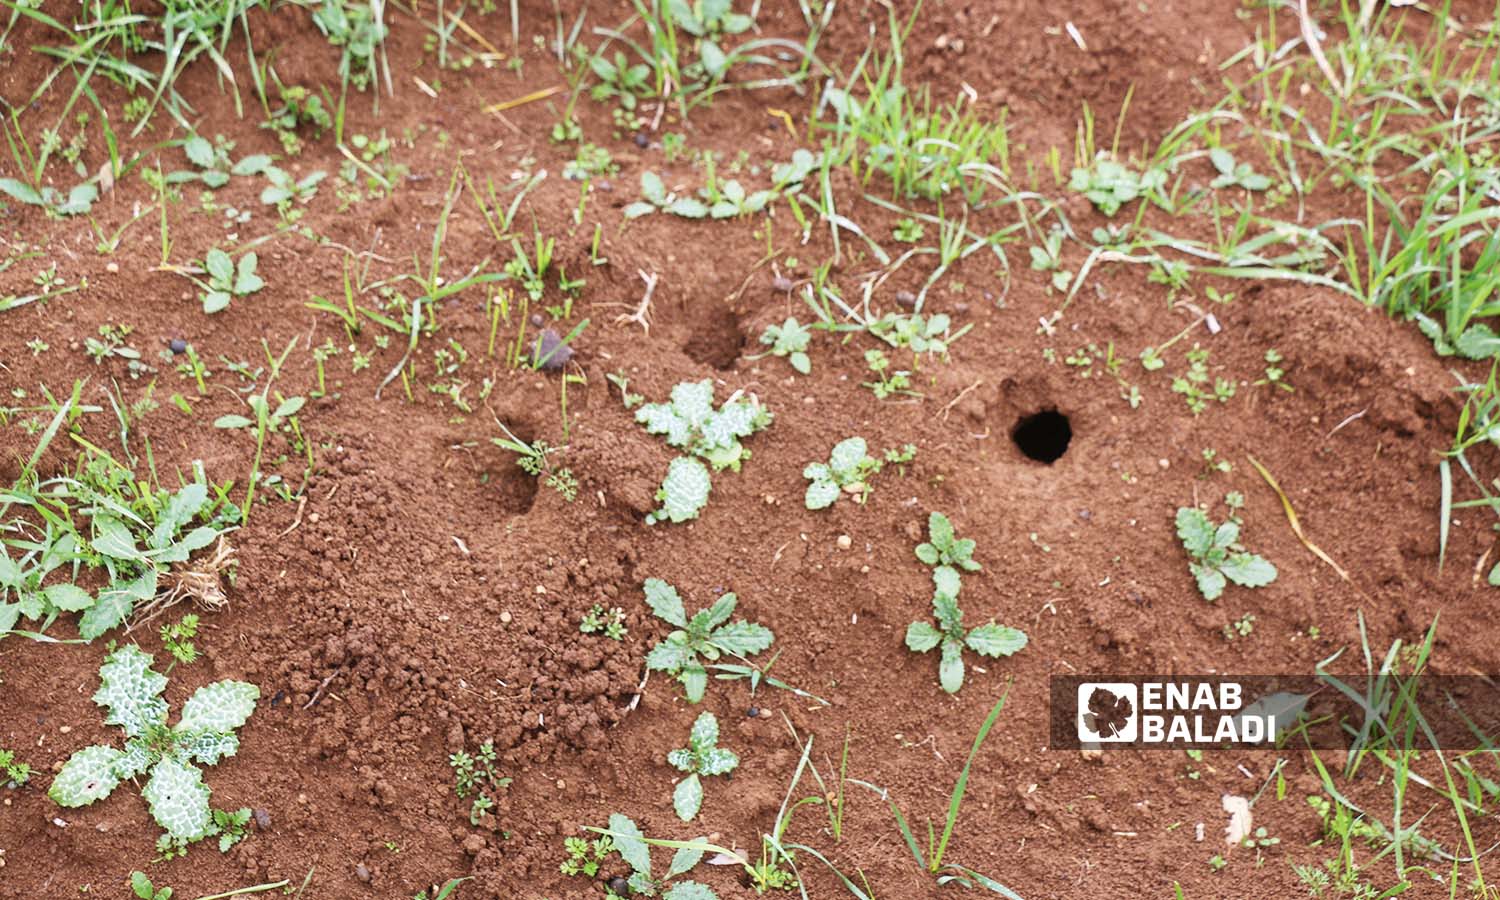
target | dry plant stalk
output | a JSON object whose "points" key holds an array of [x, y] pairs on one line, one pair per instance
{"points": [[200, 583]]}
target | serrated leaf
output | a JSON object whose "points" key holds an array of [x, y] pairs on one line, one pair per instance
{"points": [[136, 759], [179, 799], [179, 511], [705, 732], [68, 597], [10, 613], [1195, 530], [995, 640], [951, 668], [694, 680], [688, 208], [940, 530], [652, 189], [254, 164], [131, 691], [220, 267], [1248, 570], [921, 637], [661, 418], [199, 151], [717, 761], [1478, 341], [687, 798], [115, 603], [706, 620], [685, 491], [821, 494], [628, 840], [88, 775], [221, 706], [685, 859], [10, 570], [113, 539], [946, 581], [682, 760], [689, 890], [669, 656], [945, 608], [21, 191], [1226, 534], [665, 602], [742, 638], [1211, 582]]}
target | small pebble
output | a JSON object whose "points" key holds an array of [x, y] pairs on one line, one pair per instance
{"points": [[641, 140], [111, 267], [505, 617], [262, 819], [783, 284], [550, 353], [752, 712], [177, 345], [362, 873], [906, 299], [765, 714], [619, 886], [845, 542]]}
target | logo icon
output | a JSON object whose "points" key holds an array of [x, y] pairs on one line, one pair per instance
{"points": [[1107, 712]]}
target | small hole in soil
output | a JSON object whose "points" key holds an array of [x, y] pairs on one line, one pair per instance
{"points": [[1043, 436], [716, 339]]}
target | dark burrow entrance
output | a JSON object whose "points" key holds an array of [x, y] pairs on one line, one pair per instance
{"points": [[1043, 436]]}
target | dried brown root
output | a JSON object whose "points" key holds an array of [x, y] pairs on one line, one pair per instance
{"points": [[202, 584]]}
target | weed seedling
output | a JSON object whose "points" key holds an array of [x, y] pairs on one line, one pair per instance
{"points": [[891, 382], [585, 857], [1110, 185], [227, 280], [16, 773], [477, 776], [944, 547], [1215, 556], [989, 639], [175, 791], [848, 470], [654, 197], [177, 639], [610, 623], [708, 634], [691, 424], [533, 458], [1235, 174], [143, 888], [702, 756], [788, 341]]}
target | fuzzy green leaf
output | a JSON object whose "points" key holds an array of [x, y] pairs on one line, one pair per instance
{"points": [[10, 570], [179, 799], [684, 492], [628, 840], [921, 636], [706, 620], [940, 530], [995, 640], [717, 761], [665, 602], [671, 655], [115, 603], [705, 732], [847, 456], [131, 691], [821, 494], [136, 759], [113, 539], [951, 669], [1248, 570], [742, 638], [1211, 581], [9, 614], [221, 706], [68, 597], [694, 680], [689, 890], [927, 553], [1226, 534], [946, 581], [685, 859], [1195, 530], [687, 798], [682, 759], [88, 775]]}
